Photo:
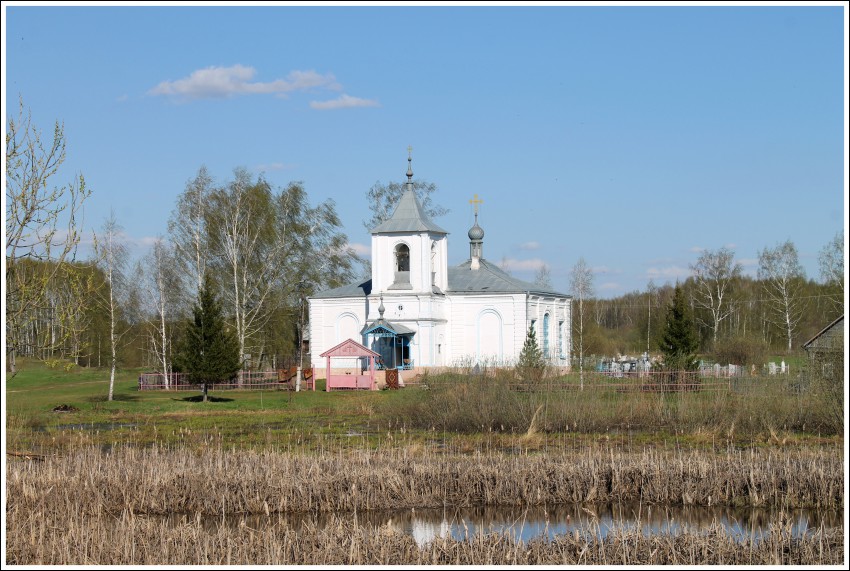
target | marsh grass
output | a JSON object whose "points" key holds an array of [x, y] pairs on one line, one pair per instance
{"points": [[219, 481], [130, 539], [751, 408]]}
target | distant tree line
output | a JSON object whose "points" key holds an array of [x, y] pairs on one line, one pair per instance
{"points": [[736, 318]]}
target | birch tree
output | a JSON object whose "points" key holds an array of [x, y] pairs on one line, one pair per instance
{"points": [[319, 251], [111, 254], [783, 277], [581, 285], [188, 232], [159, 280], [651, 298], [831, 262], [41, 223], [72, 297], [543, 277], [247, 250], [714, 275]]}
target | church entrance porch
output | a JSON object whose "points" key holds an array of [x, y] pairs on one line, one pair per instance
{"points": [[392, 342], [394, 351]]}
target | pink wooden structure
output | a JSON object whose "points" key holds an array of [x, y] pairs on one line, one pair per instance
{"points": [[350, 349]]}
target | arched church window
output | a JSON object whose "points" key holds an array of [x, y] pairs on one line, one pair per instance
{"points": [[546, 335], [402, 257]]}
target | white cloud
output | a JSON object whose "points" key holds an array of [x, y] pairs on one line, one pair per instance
{"points": [[344, 101], [361, 250], [276, 166], [218, 82], [696, 249], [610, 286], [675, 272], [529, 246], [512, 264]]}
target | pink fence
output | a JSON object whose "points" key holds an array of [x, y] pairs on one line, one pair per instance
{"points": [[245, 380]]}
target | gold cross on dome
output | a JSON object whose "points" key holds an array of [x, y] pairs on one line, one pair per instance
{"points": [[475, 202], [409, 150]]}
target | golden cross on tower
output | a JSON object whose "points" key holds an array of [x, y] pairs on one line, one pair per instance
{"points": [[475, 202]]}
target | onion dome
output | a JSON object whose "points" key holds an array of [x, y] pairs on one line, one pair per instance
{"points": [[476, 232]]}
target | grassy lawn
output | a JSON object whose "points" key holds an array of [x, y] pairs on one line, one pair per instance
{"points": [[171, 417], [457, 413]]}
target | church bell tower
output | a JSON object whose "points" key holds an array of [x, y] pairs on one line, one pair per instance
{"points": [[409, 251]]}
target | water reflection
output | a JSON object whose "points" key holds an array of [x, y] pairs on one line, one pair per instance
{"points": [[527, 523], [524, 523]]}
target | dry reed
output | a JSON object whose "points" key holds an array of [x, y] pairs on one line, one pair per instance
{"points": [[136, 540], [96, 507], [159, 481]]}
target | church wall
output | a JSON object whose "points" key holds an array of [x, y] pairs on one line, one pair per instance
{"points": [[332, 321], [440, 261], [425, 314], [560, 334], [483, 328]]}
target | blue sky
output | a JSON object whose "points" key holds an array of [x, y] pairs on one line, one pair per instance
{"points": [[631, 136]]}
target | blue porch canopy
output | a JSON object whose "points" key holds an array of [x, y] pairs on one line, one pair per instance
{"points": [[391, 341]]}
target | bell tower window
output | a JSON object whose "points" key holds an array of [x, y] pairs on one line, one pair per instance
{"points": [[402, 267], [402, 258]]}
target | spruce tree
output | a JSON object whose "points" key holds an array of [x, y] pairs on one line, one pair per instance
{"points": [[209, 352], [679, 341], [531, 365]]}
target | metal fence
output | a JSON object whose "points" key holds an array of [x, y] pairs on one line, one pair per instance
{"points": [[245, 380], [644, 381]]}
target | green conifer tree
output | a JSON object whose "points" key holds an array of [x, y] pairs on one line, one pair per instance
{"points": [[531, 365], [208, 352], [679, 340]]}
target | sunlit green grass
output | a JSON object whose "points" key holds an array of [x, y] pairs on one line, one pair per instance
{"points": [[233, 416], [317, 420]]}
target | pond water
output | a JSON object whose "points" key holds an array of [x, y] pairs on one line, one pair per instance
{"points": [[524, 523]]}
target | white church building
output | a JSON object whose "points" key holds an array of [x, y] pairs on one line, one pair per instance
{"points": [[416, 312]]}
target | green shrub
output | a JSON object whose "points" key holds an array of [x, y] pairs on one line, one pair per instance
{"points": [[743, 351]]}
